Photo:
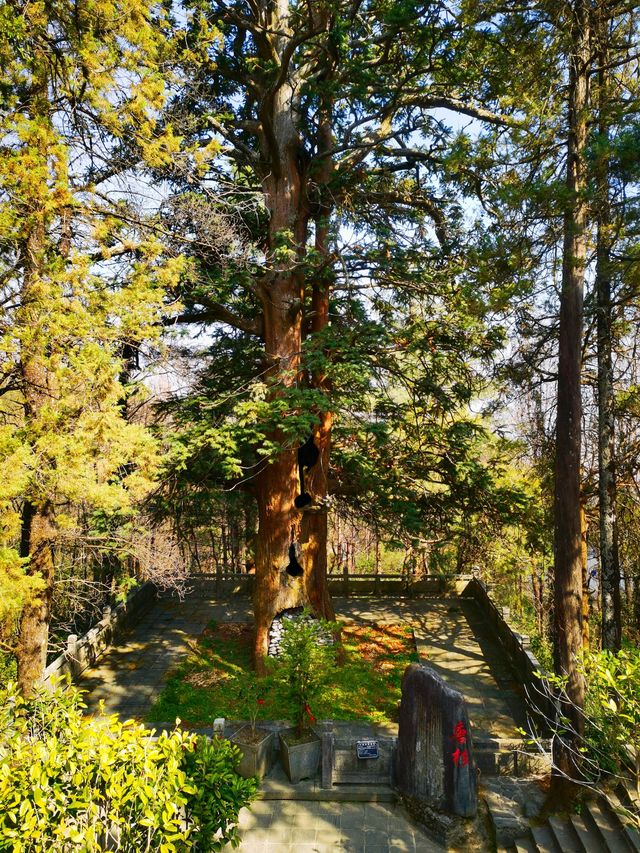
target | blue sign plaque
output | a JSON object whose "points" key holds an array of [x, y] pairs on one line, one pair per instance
{"points": [[367, 749]]}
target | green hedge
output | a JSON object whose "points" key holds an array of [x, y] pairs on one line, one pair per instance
{"points": [[71, 783]]}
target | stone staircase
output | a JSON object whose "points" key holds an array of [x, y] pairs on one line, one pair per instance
{"points": [[603, 826], [509, 757]]}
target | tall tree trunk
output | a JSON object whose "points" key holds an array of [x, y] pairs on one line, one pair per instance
{"points": [[567, 531], [315, 524], [280, 523], [584, 556], [609, 560], [37, 536], [537, 589], [38, 532]]}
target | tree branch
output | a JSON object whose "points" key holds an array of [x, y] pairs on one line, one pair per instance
{"points": [[457, 105], [217, 313], [239, 146]]}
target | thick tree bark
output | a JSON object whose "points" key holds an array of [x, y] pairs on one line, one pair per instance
{"points": [[567, 535], [315, 524], [279, 520], [609, 560], [286, 185]]}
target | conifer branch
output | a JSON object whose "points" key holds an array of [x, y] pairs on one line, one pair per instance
{"points": [[214, 312]]}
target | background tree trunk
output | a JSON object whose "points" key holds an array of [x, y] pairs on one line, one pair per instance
{"points": [[609, 561], [37, 533], [567, 528], [36, 543]]}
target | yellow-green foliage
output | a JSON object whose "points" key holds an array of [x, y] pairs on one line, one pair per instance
{"points": [[68, 782], [81, 271], [612, 708], [15, 588]]}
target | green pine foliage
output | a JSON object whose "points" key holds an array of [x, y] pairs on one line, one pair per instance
{"points": [[83, 274]]}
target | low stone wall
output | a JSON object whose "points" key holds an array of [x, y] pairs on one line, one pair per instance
{"points": [[339, 763], [82, 652], [349, 585], [518, 650], [354, 585], [233, 584]]}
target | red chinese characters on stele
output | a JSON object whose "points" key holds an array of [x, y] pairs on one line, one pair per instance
{"points": [[460, 754]]}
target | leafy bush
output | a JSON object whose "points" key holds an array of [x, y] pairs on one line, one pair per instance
{"points": [[612, 709], [8, 668], [305, 664], [72, 783]]}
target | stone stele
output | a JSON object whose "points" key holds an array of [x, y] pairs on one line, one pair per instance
{"points": [[435, 755]]}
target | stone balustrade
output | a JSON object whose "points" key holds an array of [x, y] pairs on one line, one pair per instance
{"points": [[528, 669], [82, 652]]}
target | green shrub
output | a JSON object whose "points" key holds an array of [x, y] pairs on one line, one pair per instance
{"points": [[70, 783], [8, 668], [612, 709], [611, 715], [305, 664]]}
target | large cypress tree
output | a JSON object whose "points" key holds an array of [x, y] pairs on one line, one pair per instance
{"points": [[326, 114]]}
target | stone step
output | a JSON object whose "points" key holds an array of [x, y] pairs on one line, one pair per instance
{"points": [[564, 834], [544, 840], [608, 825], [626, 791], [597, 830], [506, 757], [507, 821], [525, 845], [511, 763], [589, 839], [622, 812]]}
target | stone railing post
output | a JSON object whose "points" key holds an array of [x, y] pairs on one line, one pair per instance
{"points": [[328, 746], [71, 654]]}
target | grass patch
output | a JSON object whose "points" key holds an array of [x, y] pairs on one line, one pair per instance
{"points": [[209, 683]]}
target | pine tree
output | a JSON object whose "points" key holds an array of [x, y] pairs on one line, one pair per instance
{"points": [[64, 319]]}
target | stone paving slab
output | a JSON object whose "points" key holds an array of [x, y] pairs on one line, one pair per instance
{"points": [[270, 826]]}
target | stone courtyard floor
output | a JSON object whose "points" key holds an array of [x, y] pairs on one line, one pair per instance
{"points": [[451, 636], [276, 826], [130, 676], [450, 633]]}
